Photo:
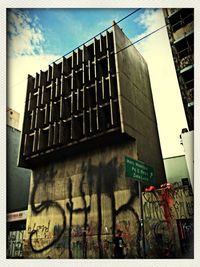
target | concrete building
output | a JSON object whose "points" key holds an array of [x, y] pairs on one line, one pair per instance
{"points": [[18, 180], [181, 35], [82, 117]]}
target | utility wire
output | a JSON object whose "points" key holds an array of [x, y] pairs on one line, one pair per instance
{"points": [[116, 52], [130, 14], [99, 34], [137, 41], [89, 39]]}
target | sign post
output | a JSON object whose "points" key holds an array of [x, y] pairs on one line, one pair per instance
{"points": [[141, 172], [141, 219], [138, 170]]}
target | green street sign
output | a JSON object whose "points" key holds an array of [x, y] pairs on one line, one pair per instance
{"points": [[138, 170]]}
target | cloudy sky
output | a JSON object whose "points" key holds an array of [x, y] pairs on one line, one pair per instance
{"points": [[37, 37]]}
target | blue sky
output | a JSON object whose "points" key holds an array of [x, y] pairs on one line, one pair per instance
{"points": [[61, 30], [37, 37]]}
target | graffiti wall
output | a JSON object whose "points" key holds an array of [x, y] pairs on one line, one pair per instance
{"points": [[166, 212], [15, 244], [76, 207]]}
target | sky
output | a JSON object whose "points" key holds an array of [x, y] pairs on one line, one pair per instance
{"points": [[37, 37]]}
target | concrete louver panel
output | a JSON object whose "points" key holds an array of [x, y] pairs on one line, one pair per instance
{"points": [[46, 95], [42, 78], [66, 66], [65, 108], [56, 73], [36, 81], [49, 74], [65, 132]]}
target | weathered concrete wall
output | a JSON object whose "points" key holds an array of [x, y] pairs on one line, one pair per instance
{"points": [[75, 207], [136, 105]]}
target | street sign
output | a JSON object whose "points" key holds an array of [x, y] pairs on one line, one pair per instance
{"points": [[138, 170]]}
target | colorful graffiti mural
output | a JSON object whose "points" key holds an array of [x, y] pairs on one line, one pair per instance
{"points": [[163, 208], [94, 204]]}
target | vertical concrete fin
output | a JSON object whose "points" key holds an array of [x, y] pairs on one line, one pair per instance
{"points": [[49, 74]]}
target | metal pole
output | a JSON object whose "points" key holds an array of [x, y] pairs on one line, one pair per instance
{"points": [[141, 219]]}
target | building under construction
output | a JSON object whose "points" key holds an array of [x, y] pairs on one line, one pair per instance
{"points": [[181, 35], [82, 117]]}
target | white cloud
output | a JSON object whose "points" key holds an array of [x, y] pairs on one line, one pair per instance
{"points": [[25, 36], [25, 56], [166, 93], [149, 17]]}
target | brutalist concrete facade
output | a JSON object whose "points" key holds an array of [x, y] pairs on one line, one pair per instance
{"points": [[82, 116], [71, 103], [97, 93]]}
